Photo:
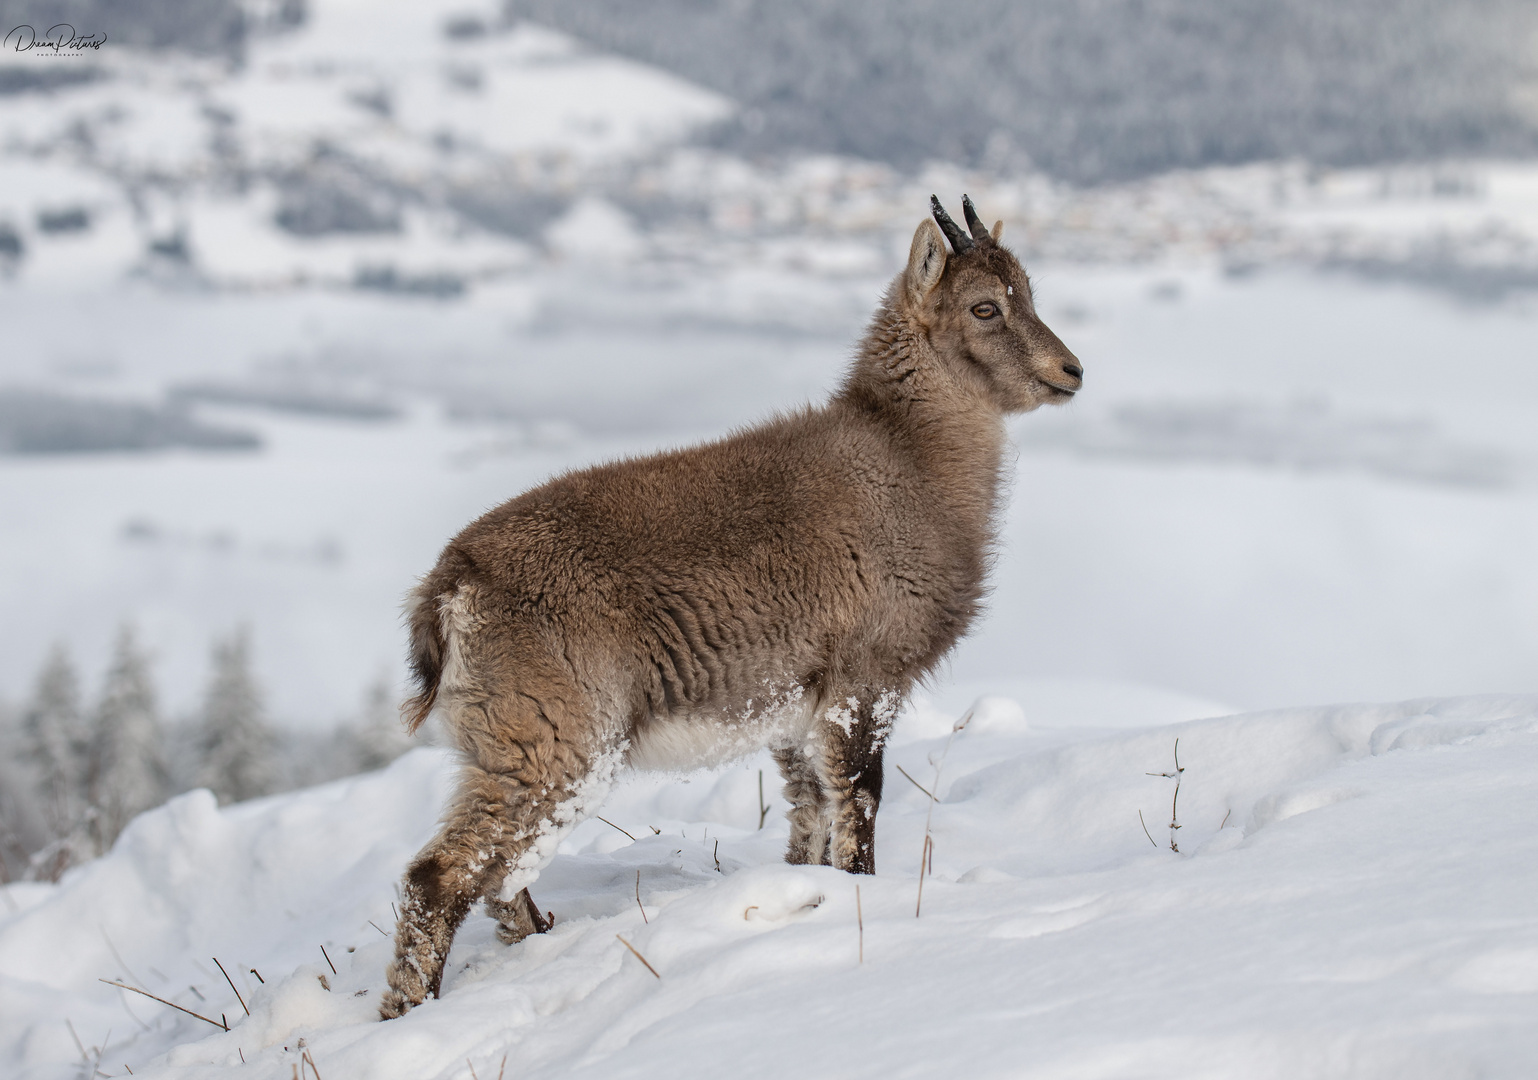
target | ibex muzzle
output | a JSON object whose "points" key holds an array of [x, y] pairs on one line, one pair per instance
{"points": [[782, 588]]}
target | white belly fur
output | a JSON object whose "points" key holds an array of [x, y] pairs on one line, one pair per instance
{"points": [[700, 739]]}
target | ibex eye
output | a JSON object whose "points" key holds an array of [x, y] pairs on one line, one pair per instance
{"points": [[985, 310]]}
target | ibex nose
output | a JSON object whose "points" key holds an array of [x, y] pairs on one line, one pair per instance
{"points": [[1074, 370]]}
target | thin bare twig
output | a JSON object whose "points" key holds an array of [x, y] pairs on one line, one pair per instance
{"points": [[636, 953], [473, 1075], [502, 1067], [329, 964], [638, 897], [716, 854], [859, 916], [763, 807], [914, 782], [258, 975], [231, 981], [926, 860], [1175, 802], [1146, 833], [163, 1001], [376, 926], [311, 1062], [611, 825], [1226, 817]]}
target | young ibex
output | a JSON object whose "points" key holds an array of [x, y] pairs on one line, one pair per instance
{"points": [[783, 587]]}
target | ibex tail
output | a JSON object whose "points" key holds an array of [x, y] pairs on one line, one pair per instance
{"points": [[425, 624]]}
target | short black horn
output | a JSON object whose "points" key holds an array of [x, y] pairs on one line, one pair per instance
{"points": [[960, 241], [979, 230]]}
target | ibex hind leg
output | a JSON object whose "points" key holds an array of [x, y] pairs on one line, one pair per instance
{"points": [[517, 918], [808, 808], [852, 736], [445, 878], [498, 822]]}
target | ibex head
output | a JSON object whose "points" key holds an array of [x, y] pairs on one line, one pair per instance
{"points": [[975, 304]]}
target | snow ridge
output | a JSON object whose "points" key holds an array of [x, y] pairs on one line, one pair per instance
{"points": [[1352, 899]]}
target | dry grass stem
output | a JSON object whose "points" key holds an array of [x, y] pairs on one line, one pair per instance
{"points": [[308, 1060], [716, 854], [927, 856], [763, 807], [473, 1074], [611, 825], [914, 782], [329, 964], [258, 975], [163, 1001], [638, 897], [375, 925], [83, 1055], [231, 981], [1175, 802], [636, 953], [100, 1050], [1226, 817], [1146, 833]]}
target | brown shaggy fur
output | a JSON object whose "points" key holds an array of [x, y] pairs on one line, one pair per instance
{"points": [[783, 587]]}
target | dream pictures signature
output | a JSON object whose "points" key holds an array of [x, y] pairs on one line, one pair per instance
{"points": [[61, 40]]}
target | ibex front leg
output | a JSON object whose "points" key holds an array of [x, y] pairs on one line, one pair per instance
{"points": [[852, 733], [808, 808]]}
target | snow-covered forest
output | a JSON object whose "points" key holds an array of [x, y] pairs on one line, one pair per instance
{"points": [[291, 291], [82, 769]]}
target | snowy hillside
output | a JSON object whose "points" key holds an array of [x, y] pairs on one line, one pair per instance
{"points": [[1351, 898]]}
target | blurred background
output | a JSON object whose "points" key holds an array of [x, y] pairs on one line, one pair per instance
{"points": [[290, 291]]}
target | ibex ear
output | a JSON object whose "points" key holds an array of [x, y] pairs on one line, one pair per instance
{"points": [[926, 262], [998, 230]]}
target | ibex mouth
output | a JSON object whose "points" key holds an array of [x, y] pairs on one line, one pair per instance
{"points": [[1058, 393]]}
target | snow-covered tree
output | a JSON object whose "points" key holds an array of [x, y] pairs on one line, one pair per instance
{"points": [[380, 736], [56, 746], [22, 830], [235, 744], [128, 762]]}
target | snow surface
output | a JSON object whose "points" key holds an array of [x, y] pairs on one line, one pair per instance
{"points": [[1352, 898]]}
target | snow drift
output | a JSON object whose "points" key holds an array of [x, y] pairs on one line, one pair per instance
{"points": [[1351, 897]]}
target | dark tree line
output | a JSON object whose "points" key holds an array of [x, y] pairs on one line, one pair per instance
{"points": [[79, 774], [1095, 90]]}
